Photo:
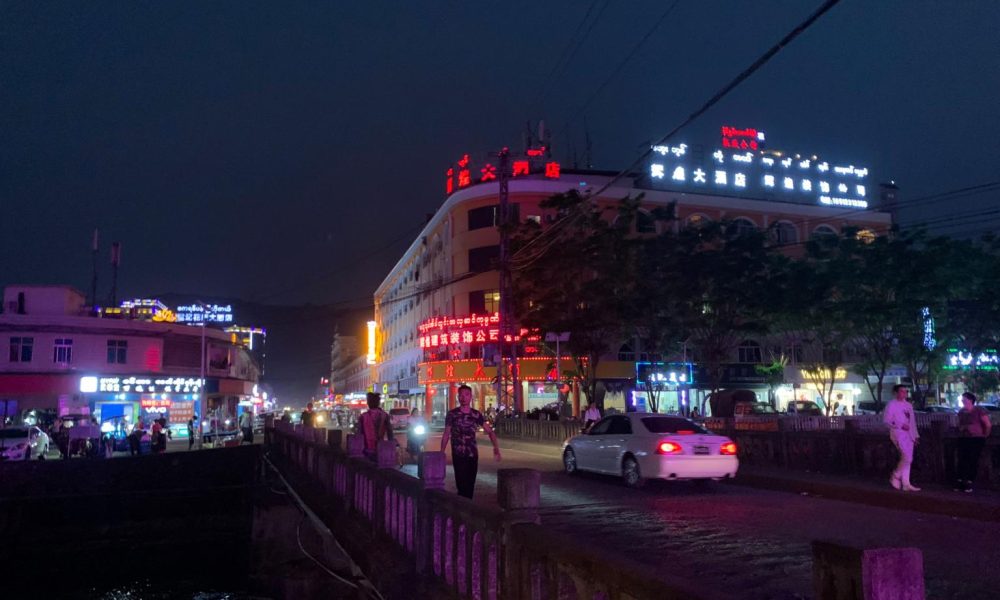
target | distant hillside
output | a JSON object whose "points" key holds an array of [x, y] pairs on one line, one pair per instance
{"points": [[298, 339]]}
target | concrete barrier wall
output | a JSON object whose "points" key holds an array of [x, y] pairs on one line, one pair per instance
{"points": [[465, 550]]}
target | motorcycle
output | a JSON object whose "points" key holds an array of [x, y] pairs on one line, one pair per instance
{"points": [[416, 437]]}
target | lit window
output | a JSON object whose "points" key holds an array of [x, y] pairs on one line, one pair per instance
{"points": [[865, 236]]}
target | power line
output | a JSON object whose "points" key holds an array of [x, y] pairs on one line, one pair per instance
{"points": [[569, 52], [733, 84], [628, 57], [722, 93]]}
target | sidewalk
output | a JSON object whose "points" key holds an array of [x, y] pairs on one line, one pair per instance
{"points": [[982, 505]]}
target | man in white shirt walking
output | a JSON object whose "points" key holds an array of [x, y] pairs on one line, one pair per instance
{"points": [[902, 421]]}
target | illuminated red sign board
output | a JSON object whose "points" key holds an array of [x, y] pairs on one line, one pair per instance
{"points": [[742, 139], [153, 403], [461, 174], [441, 332]]}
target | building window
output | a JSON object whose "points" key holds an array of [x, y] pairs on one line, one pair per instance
{"points": [[489, 216], [823, 231], [484, 216], [625, 353], [20, 349], [62, 351], [785, 233], [481, 259], [117, 352], [741, 227], [644, 222], [749, 352]]}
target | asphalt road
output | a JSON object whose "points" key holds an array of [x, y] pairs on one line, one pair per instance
{"points": [[751, 542]]}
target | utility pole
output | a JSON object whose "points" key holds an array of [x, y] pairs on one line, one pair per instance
{"points": [[508, 345]]}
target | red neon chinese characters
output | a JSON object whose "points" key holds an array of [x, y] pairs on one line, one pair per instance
{"points": [[480, 372], [489, 173], [450, 184], [552, 170], [464, 162], [536, 151], [464, 178], [521, 167]]}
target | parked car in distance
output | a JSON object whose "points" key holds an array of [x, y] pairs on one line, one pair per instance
{"points": [[939, 408], [641, 446], [804, 408], [867, 407], [23, 443], [399, 417], [990, 407], [746, 409]]}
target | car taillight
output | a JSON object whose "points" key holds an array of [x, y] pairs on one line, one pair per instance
{"points": [[728, 448], [668, 448], [686, 432]]}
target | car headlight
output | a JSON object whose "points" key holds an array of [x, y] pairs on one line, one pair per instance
{"points": [[420, 430]]}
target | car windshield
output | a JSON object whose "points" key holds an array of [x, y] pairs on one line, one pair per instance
{"points": [[399, 411], [671, 425], [13, 433], [762, 408]]}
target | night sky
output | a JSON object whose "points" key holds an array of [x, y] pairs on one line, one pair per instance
{"points": [[287, 152]]}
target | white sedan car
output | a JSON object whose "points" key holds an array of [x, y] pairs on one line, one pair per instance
{"points": [[640, 446], [23, 443]]}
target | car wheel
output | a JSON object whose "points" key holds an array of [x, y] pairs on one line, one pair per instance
{"points": [[569, 462], [631, 474]]}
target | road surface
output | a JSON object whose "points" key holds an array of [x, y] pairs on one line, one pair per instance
{"points": [[754, 543]]}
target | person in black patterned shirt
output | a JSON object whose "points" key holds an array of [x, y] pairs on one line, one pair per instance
{"points": [[460, 427]]}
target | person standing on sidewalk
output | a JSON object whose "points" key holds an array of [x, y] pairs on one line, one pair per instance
{"points": [[974, 426], [374, 425], [902, 421], [460, 427]]}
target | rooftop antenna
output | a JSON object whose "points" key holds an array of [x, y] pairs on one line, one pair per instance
{"points": [[93, 277], [116, 259]]}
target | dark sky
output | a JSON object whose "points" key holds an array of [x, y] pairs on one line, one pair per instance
{"points": [[286, 152]]}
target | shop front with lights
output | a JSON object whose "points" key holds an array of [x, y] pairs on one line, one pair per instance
{"points": [[669, 384], [145, 398]]}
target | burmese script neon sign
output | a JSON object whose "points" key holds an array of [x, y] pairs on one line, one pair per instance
{"points": [[441, 332]]}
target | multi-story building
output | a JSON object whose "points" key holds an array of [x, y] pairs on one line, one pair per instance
{"points": [[435, 310], [64, 358]]}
